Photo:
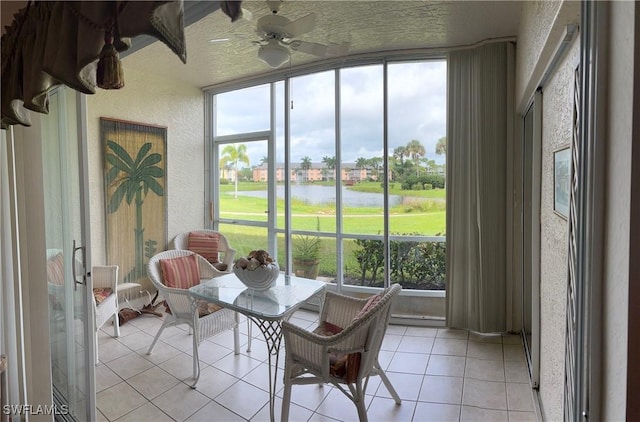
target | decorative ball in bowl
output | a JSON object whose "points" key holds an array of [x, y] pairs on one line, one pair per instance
{"points": [[257, 271]]}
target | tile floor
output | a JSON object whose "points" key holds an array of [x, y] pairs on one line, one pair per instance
{"points": [[440, 374]]}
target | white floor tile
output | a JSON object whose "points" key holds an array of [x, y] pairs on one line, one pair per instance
{"points": [[440, 389], [440, 374], [181, 401], [118, 400], [244, 399]]}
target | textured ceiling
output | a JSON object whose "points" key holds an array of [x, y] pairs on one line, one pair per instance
{"points": [[369, 26]]}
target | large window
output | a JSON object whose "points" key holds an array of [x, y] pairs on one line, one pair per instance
{"points": [[350, 162]]}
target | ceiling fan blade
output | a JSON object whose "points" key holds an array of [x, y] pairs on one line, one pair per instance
{"points": [[300, 26], [316, 49], [320, 50], [338, 49]]}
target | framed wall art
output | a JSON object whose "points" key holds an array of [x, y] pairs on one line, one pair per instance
{"points": [[135, 173], [561, 181]]}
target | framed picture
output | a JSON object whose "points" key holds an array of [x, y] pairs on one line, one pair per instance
{"points": [[561, 181], [135, 172]]}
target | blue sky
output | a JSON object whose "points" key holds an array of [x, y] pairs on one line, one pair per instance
{"points": [[417, 110]]}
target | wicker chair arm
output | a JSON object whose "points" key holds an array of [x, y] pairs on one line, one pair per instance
{"points": [[207, 271], [105, 277], [229, 254]]}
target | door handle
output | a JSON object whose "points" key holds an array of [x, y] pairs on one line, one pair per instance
{"points": [[83, 282]]}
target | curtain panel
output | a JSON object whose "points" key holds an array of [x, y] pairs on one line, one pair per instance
{"points": [[476, 187], [52, 43]]}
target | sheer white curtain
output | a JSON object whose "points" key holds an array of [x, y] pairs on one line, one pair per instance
{"points": [[476, 187]]}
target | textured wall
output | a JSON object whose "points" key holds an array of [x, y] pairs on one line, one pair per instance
{"points": [[147, 98], [535, 25], [617, 209], [542, 27], [557, 127]]}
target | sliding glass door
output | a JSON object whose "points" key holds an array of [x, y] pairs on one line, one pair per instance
{"points": [[531, 176], [70, 309]]}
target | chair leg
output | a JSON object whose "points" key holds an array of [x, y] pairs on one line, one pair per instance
{"points": [[196, 361], [359, 400], [116, 325], [387, 383], [236, 336], [249, 334], [155, 339], [286, 395], [95, 339], [236, 340]]}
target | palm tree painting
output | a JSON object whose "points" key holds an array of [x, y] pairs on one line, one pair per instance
{"points": [[135, 204]]}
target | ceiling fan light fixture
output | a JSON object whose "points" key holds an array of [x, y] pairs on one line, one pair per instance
{"points": [[273, 54]]}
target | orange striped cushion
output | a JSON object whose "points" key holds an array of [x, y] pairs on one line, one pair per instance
{"points": [[205, 244], [55, 270], [181, 272]]}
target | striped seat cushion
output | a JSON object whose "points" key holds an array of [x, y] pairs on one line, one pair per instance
{"points": [[205, 244], [180, 273], [101, 293], [55, 270]]}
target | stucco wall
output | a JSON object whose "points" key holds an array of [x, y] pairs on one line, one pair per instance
{"points": [[617, 209], [536, 23], [557, 128], [542, 27], [147, 98]]}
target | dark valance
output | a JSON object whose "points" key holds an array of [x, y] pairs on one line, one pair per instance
{"points": [[53, 43]]}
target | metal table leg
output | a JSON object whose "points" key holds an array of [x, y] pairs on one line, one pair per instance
{"points": [[272, 332]]}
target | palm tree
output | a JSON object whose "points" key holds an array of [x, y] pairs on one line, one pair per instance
{"points": [[361, 163], [306, 165], [330, 163], [233, 154], [416, 150], [376, 164], [398, 164], [399, 153], [139, 176], [441, 146]]}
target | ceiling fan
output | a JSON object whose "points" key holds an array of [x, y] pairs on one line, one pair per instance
{"points": [[278, 35]]}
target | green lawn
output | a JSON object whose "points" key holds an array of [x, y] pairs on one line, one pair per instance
{"points": [[423, 216], [419, 216]]}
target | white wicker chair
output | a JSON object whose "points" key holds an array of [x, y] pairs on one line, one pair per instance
{"points": [[225, 255], [307, 359], [102, 277], [184, 308], [225, 251], [106, 277]]}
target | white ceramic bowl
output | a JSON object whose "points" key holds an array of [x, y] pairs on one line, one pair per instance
{"points": [[262, 278]]}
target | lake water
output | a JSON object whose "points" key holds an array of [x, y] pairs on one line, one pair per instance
{"points": [[322, 195]]}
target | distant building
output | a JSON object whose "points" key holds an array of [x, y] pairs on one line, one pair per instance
{"points": [[316, 173]]}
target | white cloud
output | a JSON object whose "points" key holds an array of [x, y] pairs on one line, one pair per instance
{"points": [[417, 110]]}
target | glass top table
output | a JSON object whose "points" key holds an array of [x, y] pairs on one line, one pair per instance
{"points": [[276, 303], [267, 309]]}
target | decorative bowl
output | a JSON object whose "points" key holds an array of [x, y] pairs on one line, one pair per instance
{"points": [[261, 278]]}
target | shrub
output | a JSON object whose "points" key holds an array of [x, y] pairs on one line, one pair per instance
{"points": [[428, 186], [422, 264]]}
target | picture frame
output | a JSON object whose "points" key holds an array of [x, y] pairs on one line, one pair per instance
{"points": [[135, 200], [561, 181]]}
